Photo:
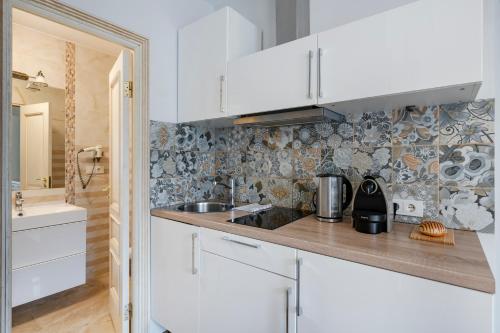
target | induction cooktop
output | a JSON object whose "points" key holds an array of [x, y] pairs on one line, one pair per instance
{"points": [[272, 218]]}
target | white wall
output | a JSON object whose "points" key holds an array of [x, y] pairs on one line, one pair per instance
{"points": [[261, 12], [326, 14], [157, 20]]}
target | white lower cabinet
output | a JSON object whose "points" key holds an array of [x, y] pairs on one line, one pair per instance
{"points": [[345, 297], [175, 279], [206, 281], [236, 297]]}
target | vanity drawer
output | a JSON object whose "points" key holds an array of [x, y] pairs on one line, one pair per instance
{"points": [[38, 245], [37, 281], [271, 257]]}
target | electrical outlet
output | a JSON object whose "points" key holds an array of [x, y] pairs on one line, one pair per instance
{"points": [[414, 208], [410, 207], [99, 169]]}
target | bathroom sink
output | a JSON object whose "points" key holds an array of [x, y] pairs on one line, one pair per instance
{"points": [[205, 207], [44, 215]]}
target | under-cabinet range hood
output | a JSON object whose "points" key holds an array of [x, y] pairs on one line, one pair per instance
{"points": [[290, 117]]}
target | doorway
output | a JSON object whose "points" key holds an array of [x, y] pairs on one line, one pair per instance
{"points": [[104, 272]]}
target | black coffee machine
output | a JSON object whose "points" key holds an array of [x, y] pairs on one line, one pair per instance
{"points": [[370, 213]]}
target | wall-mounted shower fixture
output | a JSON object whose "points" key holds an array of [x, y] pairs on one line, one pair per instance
{"points": [[97, 154], [34, 82], [37, 82]]}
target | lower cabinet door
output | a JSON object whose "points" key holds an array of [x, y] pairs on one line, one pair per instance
{"points": [[345, 297], [175, 275], [236, 297]]}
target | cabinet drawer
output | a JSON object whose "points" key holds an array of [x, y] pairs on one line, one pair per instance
{"points": [[41, 280], [271, 257], [43, 244]]}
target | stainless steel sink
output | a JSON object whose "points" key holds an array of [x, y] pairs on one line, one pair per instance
{"points": [[205, 207]]}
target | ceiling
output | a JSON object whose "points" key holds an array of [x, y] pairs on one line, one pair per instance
{"points": [[65, 33]]}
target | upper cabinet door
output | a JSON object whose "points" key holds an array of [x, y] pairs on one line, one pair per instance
{"points": [[353, 61], [205, 47], [202, 67], [425, 52], [435, 44], [277, 78]]}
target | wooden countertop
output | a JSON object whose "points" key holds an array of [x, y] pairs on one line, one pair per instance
{"points": [[463, 265]]}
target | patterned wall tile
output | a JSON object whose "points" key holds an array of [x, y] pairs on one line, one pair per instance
{"points": [[306, 136], [342, 136], [277, 138], [281, 163], [257, 139], [221, 139], [470, 165], [415, 164], [470, 209], [375, 162], [205, 139], [303, 192], [204, 165], [165, 192], [336, 161], [221, 163], [306, 162], [278, 165], [415, 125], [373, 129], [200, 189], [162, 135], [279, 191], [464, 123], [258, 164], [185, 137], [162, 164], [186, 164]]}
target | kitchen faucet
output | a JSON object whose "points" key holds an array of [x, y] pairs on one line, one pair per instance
{"points": [[230, 187], [19, 203]]}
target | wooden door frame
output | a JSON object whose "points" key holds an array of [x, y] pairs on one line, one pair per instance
{"points": [[74, 18]]}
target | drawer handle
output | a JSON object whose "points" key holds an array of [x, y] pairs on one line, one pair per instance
{"points": [[287, 317], [255, 246], [194, 237], [299, 308]]}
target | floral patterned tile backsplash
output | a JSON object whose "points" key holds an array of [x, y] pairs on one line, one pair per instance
{"points": [[442, 155]]}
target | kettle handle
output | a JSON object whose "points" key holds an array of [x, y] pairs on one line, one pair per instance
{"points": [[348, 193], [314, 199]]}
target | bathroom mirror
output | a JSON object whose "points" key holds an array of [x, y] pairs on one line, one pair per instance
{"points": [[37, 130]]}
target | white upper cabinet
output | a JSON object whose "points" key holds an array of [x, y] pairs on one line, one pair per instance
{"points": [[276, 78], [205, 46], [424, 52]]}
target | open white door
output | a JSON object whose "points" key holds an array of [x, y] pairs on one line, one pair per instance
{"points": [[119, 105], [36, 146]]}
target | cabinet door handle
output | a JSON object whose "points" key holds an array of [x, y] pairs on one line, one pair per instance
{"points": [[287, 314], [194, 237], [255, 246], [309, 91], [320, 89], [222, 78], [299, 308]]}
